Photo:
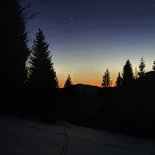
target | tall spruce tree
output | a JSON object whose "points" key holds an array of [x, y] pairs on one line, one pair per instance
{"points": [[106, 81], [142, 65], [127, 76], [42, 75], [13, 46], [119, 80]]}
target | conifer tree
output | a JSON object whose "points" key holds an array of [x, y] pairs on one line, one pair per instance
{"points": [[127, 74], [13, 47], [142, 65], [119, 80], [106, 81], [68, 82], [42, 75]]}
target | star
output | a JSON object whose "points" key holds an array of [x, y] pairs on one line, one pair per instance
{"points": [[72, 18]]}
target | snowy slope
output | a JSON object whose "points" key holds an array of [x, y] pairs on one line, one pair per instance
{"points": [[19, 137]]}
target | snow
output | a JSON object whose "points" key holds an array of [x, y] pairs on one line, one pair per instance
{"points": [[21, 137]]}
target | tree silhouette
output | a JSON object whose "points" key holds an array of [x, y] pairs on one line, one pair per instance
{"points": [[13, 47], [68, 98], [142, 65], [42, 75], [106, 81], [127, 74], [68, 82], [13, 56], [119, 80], [153, 67]]}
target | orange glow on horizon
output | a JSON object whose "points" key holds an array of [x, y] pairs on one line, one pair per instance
{"points": [[93, 81]]}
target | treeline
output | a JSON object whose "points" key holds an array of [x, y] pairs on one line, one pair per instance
{"points": [[129, 107], [29, 85], [127, 76]]}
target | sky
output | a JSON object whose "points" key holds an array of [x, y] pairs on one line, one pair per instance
{"points": [[88, 36]]}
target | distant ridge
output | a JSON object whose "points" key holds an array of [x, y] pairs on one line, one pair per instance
{"points": [[85, 88]]}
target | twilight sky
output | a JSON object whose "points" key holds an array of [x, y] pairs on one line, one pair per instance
{"points": [[88, 36]]}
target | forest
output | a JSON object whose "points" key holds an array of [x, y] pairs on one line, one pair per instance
{"points": [[30, 87]]}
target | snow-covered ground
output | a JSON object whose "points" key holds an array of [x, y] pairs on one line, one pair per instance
{"points": [[20, 137]]}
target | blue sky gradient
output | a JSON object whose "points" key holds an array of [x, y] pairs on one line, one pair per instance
{"points": [[88, 36]]}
